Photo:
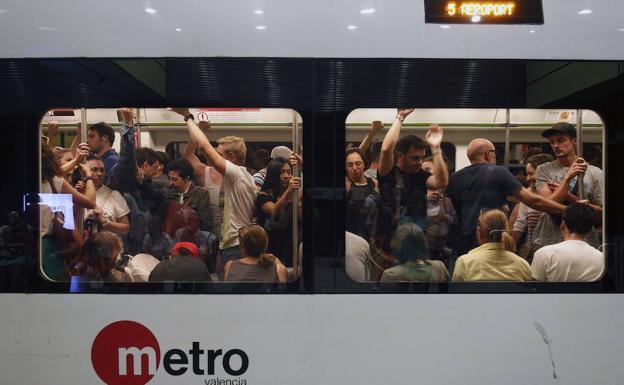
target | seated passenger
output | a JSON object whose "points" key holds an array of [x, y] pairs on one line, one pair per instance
{"points": [[255, 265], [494, 260], [274, 207], [572, 260], [183, 193], [184, 265], [111, 211], [98, 257], [206, 241], [409, 247], [361, 199], [357, 257]]}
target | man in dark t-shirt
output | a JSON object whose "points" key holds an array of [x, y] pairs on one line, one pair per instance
{"points": [[403, 183], [484, 185]]}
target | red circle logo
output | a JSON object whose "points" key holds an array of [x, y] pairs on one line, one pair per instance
{"points": [[125, 353]]}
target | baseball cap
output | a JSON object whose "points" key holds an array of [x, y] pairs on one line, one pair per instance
{"points": [[560, 128], [190, 247], [281, 152]]}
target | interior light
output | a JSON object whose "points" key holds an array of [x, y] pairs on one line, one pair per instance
{"points": [[352, 27], [621, 29], [367, 11], [259, 12], [261, 27], [476, 19], [532, 31], [44, 28], [585, 12], [445, 26], [178, 29], [151, 11]]}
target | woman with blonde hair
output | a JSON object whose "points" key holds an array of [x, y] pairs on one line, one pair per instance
{"points": [[495, 258], [255, 265]]}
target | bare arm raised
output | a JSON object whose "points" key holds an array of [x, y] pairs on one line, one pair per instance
{"points": [[202, 141], [370, 135], [439, 179], [386, 158]]}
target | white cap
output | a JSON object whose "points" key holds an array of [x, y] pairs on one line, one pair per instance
{"points": [[281, 152]]}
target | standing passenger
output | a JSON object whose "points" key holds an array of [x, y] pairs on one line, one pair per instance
{"points": [[239, 192], [402, 182], [100, 139], [557, 181], [484, 185]]}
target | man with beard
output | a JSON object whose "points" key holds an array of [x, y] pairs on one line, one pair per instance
{"points": [[559, 181]]}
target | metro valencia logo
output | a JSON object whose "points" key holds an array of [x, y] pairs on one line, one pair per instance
{"points": [[128, 353]]}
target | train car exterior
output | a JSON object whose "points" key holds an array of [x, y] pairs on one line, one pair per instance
{"points": [[326, 61]]}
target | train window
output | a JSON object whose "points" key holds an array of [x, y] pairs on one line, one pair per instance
{"points": [[171, 195], [482, 195]]}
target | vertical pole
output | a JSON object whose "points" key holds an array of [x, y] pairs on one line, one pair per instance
{"points": [[579, 151], [295, 198], [138, 128], [507, 135], [83, 135]]}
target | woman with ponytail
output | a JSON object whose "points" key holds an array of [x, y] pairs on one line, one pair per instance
{"points": [[495, 258], [255, 265]]}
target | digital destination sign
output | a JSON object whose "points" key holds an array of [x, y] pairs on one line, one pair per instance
{"points": [[484, 12]]}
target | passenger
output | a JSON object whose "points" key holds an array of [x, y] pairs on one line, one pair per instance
{"points": [[527, 218], [403, 183], [557, 181], [572, 260], [52, 181], [207, 177], [183, 193], [160, 177], [361, 198], [147, 203], [98, 257], [111, 211], [357, 257], [184, 265], [365, 145], [409, 247], [374, 152], [192, 232], [239, 192], [255, 264], [484, 185], [147, 164], [100, 139], [277, 152], [274, 208], [440, 216], [69, 163], [494, 260]]}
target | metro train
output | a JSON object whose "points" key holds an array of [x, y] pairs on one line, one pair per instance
{"points": [[358, 65]]}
